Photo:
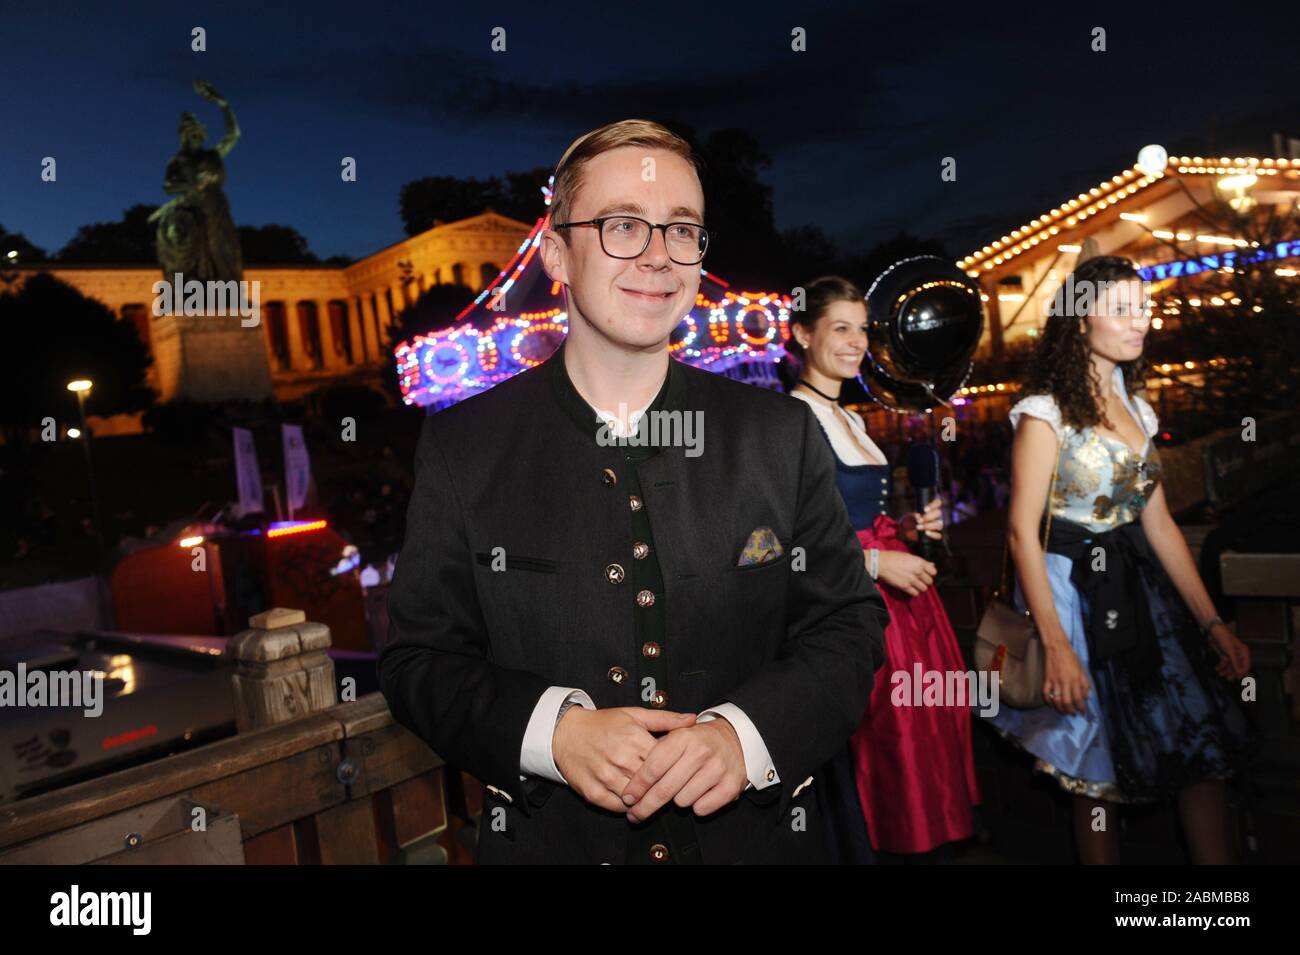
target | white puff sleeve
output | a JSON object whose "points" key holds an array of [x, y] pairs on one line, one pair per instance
{"points": [[1149, 420], [1037, 406]]}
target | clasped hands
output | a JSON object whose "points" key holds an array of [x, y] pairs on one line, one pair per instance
{"points": [[611, 759]]}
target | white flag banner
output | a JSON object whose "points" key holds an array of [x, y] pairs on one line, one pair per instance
{"points": [[247, 474], [297, 465]]}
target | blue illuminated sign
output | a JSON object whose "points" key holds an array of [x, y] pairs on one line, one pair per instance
{"points": [[1181, 268]]}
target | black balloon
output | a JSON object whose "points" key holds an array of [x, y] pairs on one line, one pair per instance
{"points": [[924, 322]]}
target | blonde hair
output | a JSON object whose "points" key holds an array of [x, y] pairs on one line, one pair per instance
{"points": [[626, 132]]}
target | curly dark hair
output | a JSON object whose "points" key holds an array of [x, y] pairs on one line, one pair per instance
{"points": [[1061, 364]]}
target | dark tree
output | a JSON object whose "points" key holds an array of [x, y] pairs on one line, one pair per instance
{"points": [[866, 267], [806, 252], [747, 251], [27, 253], [54, 334], [274, 245], [129, 241], [434, 199]]}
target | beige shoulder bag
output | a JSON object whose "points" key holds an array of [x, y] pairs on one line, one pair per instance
{"points": [[1007, 642]]}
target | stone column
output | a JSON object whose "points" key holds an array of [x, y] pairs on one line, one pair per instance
{"points": [[385, 312], [297, 349], [368, 325], [330, 358], [353, 319]]}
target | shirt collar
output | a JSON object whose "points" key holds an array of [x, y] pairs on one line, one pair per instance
{"points": [[671, 396]]}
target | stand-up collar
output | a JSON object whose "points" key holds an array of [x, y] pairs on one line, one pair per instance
{"points": [[671, 396]]}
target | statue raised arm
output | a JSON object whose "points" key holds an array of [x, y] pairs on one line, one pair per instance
{"points": [[209, 92], [196, 234]]}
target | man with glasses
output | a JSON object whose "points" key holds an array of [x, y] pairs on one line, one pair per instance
{"points": [[642, 654]]}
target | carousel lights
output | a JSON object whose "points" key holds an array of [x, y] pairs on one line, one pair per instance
{"points": [[688, 339], [446, 365]]}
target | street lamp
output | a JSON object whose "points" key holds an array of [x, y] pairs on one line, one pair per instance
{"points": [[81, 387]]}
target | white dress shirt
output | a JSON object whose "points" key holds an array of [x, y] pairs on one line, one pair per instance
{"points": [[537, 758]]}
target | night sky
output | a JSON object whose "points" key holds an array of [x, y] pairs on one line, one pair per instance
{"points": [[856, 127]]}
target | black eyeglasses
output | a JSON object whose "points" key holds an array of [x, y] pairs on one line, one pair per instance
{"points": [[626, 237]]}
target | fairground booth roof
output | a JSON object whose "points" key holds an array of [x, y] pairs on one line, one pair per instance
{"points": [[1126, 213]]}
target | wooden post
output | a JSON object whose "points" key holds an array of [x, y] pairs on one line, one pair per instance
{"points": [[282, 671]]}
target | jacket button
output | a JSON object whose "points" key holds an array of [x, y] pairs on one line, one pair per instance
{"points": [[617, 675], [645, 598], [609, 477], [640, 549], [659, 700], [634, 502], [650, 650], [614, 573], [658, 852]]}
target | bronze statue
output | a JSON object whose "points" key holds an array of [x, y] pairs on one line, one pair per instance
{"points": [[196, 234]]}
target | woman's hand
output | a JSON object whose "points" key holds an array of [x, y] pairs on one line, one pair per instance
{"points": [[907, 572], [929, 523], [1065, 684], [1234, 656]]}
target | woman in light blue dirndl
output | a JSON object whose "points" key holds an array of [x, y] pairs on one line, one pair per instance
{"points": [[1142, 674]]}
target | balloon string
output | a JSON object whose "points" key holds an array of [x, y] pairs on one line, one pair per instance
{"points": [[929, 389], [928, 386]]}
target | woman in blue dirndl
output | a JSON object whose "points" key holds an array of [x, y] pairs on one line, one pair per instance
{"points": [[1140, 670]]}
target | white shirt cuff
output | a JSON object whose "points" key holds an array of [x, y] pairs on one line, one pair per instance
{"points": [[758, 762], [536, 757]]}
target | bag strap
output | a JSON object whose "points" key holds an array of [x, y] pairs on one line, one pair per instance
{"points": [[1006, 538]]}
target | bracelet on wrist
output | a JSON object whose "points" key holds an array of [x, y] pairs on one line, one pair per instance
{"points": [[874, 569], [1209, 625]]}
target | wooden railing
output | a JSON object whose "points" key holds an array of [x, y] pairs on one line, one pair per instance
{"points": [[324, 783]]}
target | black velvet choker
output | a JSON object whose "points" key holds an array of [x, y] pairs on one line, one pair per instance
{"points": [[809, 385]]}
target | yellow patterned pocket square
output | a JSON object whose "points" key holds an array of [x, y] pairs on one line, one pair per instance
{"points": [[761, 547]]}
